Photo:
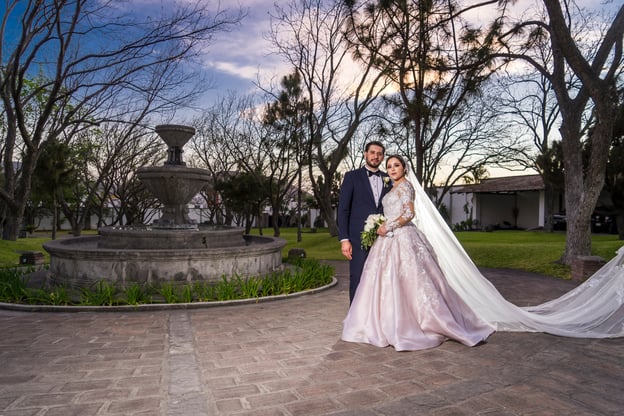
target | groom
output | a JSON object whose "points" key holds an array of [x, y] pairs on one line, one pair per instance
{"points": [[360, 196]]}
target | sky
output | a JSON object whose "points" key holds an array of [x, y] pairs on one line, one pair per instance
{"points": [[236, 59]]}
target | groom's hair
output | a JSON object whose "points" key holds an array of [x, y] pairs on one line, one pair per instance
{"points": [[374, 143]]}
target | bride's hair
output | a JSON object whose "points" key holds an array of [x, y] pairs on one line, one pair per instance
{"points": [[399, 158]]}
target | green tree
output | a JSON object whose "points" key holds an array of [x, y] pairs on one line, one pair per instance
{"points": [[53, 175], [434, 60], [287, 115], [244, 193]]}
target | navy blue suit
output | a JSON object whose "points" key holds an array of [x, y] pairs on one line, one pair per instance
{"points": [[356, 203]]}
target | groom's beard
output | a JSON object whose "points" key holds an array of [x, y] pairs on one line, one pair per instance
{"points": [[373, 164]]}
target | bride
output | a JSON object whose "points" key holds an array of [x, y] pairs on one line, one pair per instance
{"points": [[420, 288]]}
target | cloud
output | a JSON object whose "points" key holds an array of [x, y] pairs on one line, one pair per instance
{"points": [[244, 53]]}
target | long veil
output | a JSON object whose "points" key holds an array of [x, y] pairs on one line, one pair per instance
{"points": [[594, 309]]}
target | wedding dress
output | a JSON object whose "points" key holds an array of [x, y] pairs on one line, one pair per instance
{"points": [[403, 298], [594, 309]]}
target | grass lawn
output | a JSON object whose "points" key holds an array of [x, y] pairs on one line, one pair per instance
{"points": [[532, 251], [10, 251]]}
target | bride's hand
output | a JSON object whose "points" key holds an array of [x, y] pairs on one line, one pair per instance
{"points": [[382, 231]]}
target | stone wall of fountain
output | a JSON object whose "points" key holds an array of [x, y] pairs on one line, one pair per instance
{"points": [[172, 249]]}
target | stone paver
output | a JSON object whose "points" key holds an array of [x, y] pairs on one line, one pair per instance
{"points": [[285, 358]]}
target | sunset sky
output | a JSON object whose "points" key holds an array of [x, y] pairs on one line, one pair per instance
{"points": [[236, 59]]}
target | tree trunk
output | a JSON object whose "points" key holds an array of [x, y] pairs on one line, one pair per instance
{"points": [[276, 226], [77, 229], [549, 207], [619, 221], [327, 210], [578, 232], [55, 220], [299, 225], [16, 196], [11, 228], [583, 184]]}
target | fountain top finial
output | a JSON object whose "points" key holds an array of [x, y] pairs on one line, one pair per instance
{"points": [[176, 136]]}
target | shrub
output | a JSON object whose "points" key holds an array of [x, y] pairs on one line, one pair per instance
{"points": [[304, 274]]}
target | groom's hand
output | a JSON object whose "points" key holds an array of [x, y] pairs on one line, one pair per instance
{"points": [[347, 249]]}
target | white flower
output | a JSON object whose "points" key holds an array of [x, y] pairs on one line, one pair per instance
{"points": [[373, 221], [369, 235]]}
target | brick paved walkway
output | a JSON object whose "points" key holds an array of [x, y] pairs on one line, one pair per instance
{"points": [[285, 358]]}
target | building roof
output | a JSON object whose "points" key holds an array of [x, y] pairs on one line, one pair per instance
{"points": [[508, 184]]}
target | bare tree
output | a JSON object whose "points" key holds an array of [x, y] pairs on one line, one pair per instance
{"points": [[454, 146], [118, 151], [225, 141], [86, 56], [595, 66], [528, 105], [339, 91]]}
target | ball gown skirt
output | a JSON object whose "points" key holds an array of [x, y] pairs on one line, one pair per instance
{"points": [[403, 299]]}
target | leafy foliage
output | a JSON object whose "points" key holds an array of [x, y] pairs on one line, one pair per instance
{"points": [[306, 274]]}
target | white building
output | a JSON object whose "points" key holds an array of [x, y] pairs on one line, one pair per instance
{"points": [[507, 202]]}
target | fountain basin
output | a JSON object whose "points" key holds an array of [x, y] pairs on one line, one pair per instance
{"points": [[174, 186], [201, 237], [82, 262]]}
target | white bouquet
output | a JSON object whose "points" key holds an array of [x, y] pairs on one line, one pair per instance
{"points": [[369, 235]]}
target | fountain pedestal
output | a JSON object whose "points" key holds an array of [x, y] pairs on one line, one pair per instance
{"points": [[174, 184]]}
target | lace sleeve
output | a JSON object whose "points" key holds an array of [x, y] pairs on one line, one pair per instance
{"points": [[406, 197]]}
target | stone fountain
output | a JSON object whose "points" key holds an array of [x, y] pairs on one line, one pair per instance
{"points": [[173, 248]]}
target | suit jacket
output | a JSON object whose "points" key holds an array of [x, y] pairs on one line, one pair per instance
{"points": [[356, 203]]}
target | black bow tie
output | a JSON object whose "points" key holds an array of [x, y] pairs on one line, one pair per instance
{"points": [[370, 173]]}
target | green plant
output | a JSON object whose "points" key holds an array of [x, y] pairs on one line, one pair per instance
{"points": [[13, 287], [187, 294], [302, 275], [59, 296], [287, 283], [248, 287], [224, 290], [312, 273], [38, 297], [135, 294], [269, 286], [103, 294], [169, 292], [203, 292]]}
